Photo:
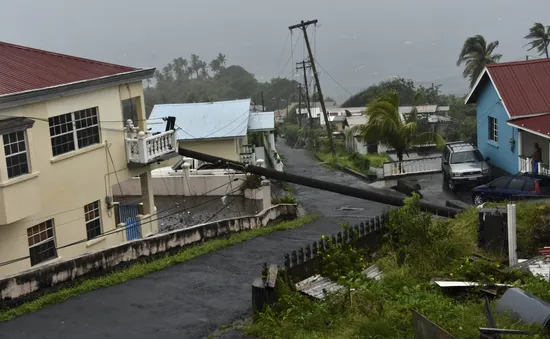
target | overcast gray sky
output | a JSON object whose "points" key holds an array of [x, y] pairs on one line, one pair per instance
{"points": [[359, 42]]}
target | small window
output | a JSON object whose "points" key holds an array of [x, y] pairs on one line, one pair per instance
{"points": [[500, 183], [74, 130], [15, 149], [516, 184], [493, 129], [41, 242], [93, 219], [129, 110]]}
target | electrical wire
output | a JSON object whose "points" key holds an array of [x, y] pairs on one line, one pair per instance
{"points": [[330, 76], [114, 231]]}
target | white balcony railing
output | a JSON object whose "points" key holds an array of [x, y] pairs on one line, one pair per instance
{"points": [[526, 166], [147, 148]]}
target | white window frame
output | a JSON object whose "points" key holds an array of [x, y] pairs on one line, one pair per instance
{"points": [[49, 226], [26, 152], [74, 131], [95, 207], [493, 129]]}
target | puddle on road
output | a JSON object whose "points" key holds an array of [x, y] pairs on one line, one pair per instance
{"points": [[347, 208]]}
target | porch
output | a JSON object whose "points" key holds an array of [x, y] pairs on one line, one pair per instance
{"points": [[526, 148]]}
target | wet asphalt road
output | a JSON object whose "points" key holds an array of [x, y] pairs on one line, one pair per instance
{"points": [[192, 299]]}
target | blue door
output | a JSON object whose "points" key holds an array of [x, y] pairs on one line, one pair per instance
{"points": [[127, 214]]}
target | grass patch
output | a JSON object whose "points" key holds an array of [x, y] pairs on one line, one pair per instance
{"points": [[416, 249], [141, 269]]}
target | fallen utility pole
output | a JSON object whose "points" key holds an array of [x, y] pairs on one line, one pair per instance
{"points": [[304, 67], [373, 194], [303, 26]]}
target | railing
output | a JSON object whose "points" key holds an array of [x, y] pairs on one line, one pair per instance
{"points": [[415, 166], [147, 148], [526, 166]]}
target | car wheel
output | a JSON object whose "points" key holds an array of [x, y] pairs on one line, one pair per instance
{"points": [[478, 200]]}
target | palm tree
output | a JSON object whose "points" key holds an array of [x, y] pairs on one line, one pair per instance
{"points": [[221, 60], [386, 126], [195, 64], [215, 66], [477, 54], [540, 38]]}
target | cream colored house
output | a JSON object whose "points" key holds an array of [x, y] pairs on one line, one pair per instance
{"points": [[63, 125], [214, 128]]}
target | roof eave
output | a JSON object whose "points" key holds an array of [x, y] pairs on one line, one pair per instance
{"points": [[474, 88], [47, 93]]}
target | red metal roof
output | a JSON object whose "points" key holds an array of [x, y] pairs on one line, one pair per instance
{"points": [[25, 69], [539, 124], [524, 86]]}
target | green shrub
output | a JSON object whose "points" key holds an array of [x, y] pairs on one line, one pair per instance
{"points": [[251, 181], [287, 199], [292, 133], [359, 161]]}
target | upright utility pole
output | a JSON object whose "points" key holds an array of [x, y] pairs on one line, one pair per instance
{"points": [[304, 67], [303, 26], [299, 115], [263, 104]]}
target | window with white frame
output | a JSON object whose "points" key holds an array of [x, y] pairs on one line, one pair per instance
{"points": [[493, 129], [15, 149], [41, 242], [93, 219], [72, 131]]}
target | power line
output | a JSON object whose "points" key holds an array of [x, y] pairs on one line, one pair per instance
{"points": [[123, 229], [324, 70]]}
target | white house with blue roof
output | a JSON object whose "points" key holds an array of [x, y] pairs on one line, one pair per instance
{"points": [[216, 128]]}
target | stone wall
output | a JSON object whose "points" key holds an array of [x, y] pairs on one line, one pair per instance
{"points": [[32, 281]]}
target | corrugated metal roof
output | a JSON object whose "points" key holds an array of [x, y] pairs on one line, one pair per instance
{"points": [[357, 120], [373, 272], [539, 124], [261, 121], [317, 285], [524, 86], [25, 69], [419, 109], [205, 120]]}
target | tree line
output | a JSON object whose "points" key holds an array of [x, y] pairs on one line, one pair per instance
{"points": [[195, 80]]}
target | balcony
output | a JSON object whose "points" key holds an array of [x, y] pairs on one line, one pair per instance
{"points": [[13, 192], [144, 148]]}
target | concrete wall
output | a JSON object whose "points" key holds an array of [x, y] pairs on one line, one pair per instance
{"points": [[225, 148], [488, 105], [182, 183], [59, 187], [26, 283]]}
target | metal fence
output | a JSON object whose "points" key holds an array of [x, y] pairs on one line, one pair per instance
{"points": [[306, 261]]}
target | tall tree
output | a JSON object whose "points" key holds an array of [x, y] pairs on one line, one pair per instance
{"points": [[476, 54], [196, 64], [540, 38], [388, 128], [215, 66], [221, 60]]}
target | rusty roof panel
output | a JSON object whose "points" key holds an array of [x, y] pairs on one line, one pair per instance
{"points": [[26, 69], [316, 286], [539, 124], [524, 86]]}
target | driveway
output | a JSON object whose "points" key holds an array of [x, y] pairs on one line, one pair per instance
{"points": [[192, 299]]}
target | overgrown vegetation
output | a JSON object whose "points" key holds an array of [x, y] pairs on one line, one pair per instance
{"points": [[141, 269], [361, 163], [252, 181], [417, 248]]}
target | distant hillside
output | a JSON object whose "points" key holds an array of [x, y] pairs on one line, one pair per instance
{"points": [[456, 85]]}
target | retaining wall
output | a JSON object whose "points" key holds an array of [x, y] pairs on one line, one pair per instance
{"points": [[31, 281]]}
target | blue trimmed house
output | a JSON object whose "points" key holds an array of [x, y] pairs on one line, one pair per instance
{"points": [[513, 114]]}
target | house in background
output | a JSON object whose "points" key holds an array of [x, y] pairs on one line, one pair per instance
{"points": [[215, 128], [513, 113], [63, 125]]}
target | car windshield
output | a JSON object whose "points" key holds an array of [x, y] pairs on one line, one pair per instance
{"points": [[468, 156]]}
